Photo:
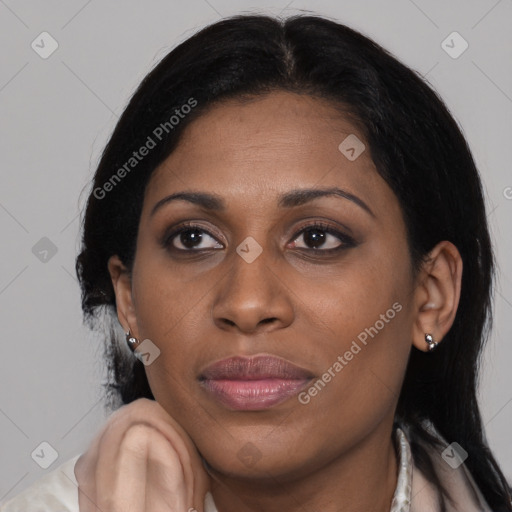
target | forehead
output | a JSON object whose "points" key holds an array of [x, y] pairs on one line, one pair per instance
{"points": [[263, 147]]}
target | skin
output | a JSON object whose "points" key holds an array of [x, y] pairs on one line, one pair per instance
{"points": [[142, 460], [291, 301]]}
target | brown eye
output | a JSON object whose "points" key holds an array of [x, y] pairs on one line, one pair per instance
{"points": [[323, 238], [190, 238]]}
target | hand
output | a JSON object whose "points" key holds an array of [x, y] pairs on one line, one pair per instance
{"points": [[141, 461]]}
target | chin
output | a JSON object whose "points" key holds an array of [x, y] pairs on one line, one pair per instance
{"points": [[263, 462]]}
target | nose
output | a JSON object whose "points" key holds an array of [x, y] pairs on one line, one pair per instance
{"points": [[252, 297]]}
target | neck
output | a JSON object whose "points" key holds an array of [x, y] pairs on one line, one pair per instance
{"points": [[362, 479]]}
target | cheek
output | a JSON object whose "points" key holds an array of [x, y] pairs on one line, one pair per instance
{"points": [[166, 300], [365, 350], [167, 311], [364, 298], [361, 374]]}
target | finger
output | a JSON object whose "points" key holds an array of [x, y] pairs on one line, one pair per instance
{"points": [[97, 469], [123, 488], [152, 413], [122, 479], [86, 491], [85, 470], [86, 466], [105, 449], [190, 457], [196, 476], [147, 475], [166, 489]]}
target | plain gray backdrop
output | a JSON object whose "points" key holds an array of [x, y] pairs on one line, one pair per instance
{"points": [[57, 113]]}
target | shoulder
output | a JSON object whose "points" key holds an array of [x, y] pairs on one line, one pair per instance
{"points": [[56, 491], [446, 462]]}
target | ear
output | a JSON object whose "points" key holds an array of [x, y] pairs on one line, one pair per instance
{"points": [[121, 281], [437, 294]]}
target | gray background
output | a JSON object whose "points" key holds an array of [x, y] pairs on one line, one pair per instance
{"points": [[56, 115]]}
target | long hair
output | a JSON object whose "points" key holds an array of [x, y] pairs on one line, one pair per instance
{"points": [[417, 148]]}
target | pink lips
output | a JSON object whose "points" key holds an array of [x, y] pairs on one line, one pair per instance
{"points": [[253, 383]]}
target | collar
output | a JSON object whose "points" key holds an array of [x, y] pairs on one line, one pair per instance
{"points": [[401, 501], [414, 493]]}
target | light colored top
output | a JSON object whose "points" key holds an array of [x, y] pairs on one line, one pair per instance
{"points": [[58, 490]]}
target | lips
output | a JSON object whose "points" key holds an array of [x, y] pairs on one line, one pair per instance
{"points": [[254, 368], [253, 383]]}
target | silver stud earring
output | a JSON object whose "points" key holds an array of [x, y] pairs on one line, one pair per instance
{"points": [[131, 341], [430, 342]]}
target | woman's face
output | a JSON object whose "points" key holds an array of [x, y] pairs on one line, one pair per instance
{"points": [[247, 280]]}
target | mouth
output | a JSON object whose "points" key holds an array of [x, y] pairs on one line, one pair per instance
{"points": [[253, 383]]}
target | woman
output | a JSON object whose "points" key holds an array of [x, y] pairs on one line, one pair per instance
{"points": [[290, 228]]}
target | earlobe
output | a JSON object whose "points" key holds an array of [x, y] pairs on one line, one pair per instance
{"points": [[437, 295], [121, 281]]}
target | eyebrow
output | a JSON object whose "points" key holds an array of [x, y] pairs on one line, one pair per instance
{"points": [[290, 199]]}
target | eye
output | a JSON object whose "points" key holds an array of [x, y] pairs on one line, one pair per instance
{"points": [[191, 237], [318, 237], [324, 238]]}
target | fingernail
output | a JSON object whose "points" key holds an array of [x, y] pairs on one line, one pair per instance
{"points": [[209, 504]]}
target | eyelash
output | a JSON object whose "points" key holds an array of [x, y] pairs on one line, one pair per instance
{"points": [[346, 240]]}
